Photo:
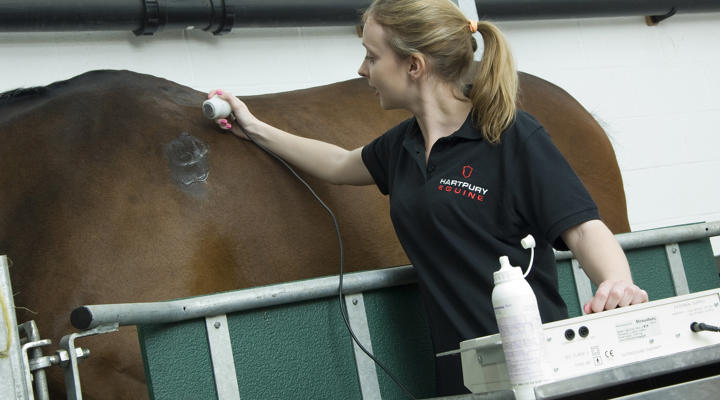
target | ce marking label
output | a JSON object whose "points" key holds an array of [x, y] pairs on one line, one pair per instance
{"points": [[610, 354]]}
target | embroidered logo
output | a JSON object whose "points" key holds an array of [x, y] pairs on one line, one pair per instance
{"points": [[467, 171], [463, 188]]}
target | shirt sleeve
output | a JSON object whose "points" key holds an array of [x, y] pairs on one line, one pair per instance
{"points": [[381, 154], [375, 157], [549, 194]]}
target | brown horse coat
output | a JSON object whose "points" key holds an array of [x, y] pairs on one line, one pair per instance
{"points": [[90, 214]]}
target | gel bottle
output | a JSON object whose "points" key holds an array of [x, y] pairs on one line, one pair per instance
{"points": [[521, 330]]}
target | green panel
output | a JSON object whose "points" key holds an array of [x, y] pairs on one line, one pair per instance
{"points": [[699, 262], [567, 288], [651, 271], [303, 350], [177, 361], [295, 351], [401, 341]]}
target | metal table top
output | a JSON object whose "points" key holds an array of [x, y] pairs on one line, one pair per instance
{"points": [[696, 388]]}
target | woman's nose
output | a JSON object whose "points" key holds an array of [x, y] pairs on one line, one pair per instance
{"points": [[362, 71]]}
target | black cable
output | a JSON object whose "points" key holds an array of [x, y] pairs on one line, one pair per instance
{"points": [[343, 309], [700, 326]]}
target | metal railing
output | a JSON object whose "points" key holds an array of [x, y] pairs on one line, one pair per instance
{"points": [[91, 316]]}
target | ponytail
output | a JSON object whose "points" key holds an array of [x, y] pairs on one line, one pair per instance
{"points": [[495, 85]]}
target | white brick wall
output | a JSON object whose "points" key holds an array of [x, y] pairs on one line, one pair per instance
{"points": [[656, 90]]}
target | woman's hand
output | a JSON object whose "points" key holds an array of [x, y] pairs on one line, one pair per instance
{"points": [[604, 262], [242, 114], [612, 294]]}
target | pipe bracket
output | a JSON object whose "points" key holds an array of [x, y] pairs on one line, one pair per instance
{"points": [[652, 20], [226, 20], [151, 18]]}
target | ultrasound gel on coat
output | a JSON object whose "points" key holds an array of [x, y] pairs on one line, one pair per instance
{"points": [[188, 158]]}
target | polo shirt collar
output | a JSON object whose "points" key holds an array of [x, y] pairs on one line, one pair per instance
{"points": [[414, 143], [468, 130], [414, 140]]}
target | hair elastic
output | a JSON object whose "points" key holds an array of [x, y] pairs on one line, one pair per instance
{"points": [[473, 26]]}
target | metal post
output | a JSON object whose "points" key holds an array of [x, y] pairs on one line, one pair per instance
{"points": [[11, 366]]}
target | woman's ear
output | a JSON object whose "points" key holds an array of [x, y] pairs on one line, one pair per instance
{"points": [[417, 66]]}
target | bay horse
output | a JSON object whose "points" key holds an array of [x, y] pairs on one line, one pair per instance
{"points": [[92, 211]]}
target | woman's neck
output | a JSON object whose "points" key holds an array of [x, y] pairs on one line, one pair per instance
{"points": [[440, 111]]}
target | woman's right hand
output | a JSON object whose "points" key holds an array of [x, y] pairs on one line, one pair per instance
{"points": [[242, 114]]}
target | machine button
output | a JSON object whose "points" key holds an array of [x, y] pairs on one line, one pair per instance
{"points": [[569, 334], [583, 331]]}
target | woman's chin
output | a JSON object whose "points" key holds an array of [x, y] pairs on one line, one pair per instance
{"points": [[387, 106]]}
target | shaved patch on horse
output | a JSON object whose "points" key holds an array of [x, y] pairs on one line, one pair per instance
{"points": [[188, 159]]}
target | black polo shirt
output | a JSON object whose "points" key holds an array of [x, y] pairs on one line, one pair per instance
{"points": [[470, 204]]}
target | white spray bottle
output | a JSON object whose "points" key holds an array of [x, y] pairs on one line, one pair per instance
{"points": [[521, 331]]}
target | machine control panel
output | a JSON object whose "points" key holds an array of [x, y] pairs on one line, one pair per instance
{"points": [[594, 342]]}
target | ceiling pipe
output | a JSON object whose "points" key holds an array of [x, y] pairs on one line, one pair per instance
{"points": [[555, 9], [145, 17]]}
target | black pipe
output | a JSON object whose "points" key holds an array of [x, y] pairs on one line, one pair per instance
{"points": [[220, 16], [554, 9]]}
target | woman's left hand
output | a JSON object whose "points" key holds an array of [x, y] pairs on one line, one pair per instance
{"points": [[613, 294]]}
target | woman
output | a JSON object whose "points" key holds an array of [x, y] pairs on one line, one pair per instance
{"points": [[468, 175]]}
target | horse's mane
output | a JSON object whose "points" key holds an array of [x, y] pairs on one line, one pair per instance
{"points": [[27, 93], [20, 93]]}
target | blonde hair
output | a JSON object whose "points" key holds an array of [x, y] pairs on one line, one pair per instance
{"points": [[438, 30]]}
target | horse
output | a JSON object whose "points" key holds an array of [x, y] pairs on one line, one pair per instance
{"points": [[95, 207]]}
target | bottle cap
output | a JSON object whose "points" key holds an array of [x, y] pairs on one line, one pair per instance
{"points": [[506, 272], [528, 242]]}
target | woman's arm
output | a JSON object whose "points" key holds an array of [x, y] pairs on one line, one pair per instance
{"points": [[604, 261], [319, 159]]}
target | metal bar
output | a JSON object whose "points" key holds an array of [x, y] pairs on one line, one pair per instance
{"points": [[698, 389], [72, 374], [367, 374], [594, 384], [659, 236], [32, 334], [90, 316], [677, 270], [11, 360], [582, 284], [40, 388], [239, 300], [221, 354]]}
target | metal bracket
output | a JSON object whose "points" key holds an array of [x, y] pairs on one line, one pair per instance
{"points": [[677, 269], [72, 375], [367, 374], [151, 18], [227, 19], [582, 284], [221, 354], [34, 361], [34, 369], [652, 20]]}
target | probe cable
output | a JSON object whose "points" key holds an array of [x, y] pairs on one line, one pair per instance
{"points": [[343, 310], [701, 326]]}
